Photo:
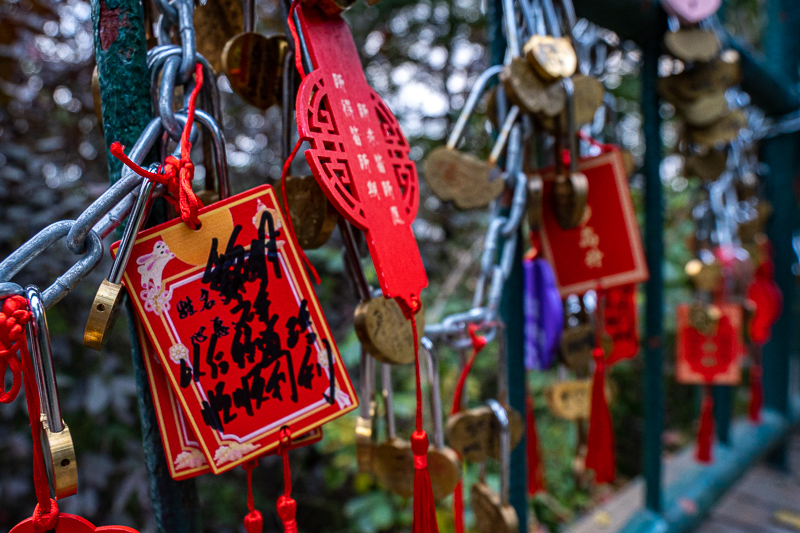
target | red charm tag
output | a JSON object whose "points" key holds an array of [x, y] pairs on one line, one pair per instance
{"points": [[237, 328], [68, 523], [709, 359], [606, 247], [358, 154], [621, 322]]}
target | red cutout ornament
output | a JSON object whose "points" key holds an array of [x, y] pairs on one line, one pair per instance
{"points": [[709, 359], [358, 154]]}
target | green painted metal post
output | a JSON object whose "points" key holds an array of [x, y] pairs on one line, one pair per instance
{"points": [[121, 54], [781, 46], [723, 406], [654, 250]]}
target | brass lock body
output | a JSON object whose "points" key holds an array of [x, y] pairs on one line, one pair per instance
{"points": [[253, 65], [313, 216], [385, 332]]}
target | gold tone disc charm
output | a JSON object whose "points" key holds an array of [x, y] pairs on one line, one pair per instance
{"points": [[313, 216], [253, 64]]}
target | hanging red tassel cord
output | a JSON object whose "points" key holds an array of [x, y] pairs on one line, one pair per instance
{"points": [[756, 390], [705, 432], [13, 341], [600, 441], [478, 343], [535, 467], [253, 522], [424, 519], [176, 174], [287, 507]]}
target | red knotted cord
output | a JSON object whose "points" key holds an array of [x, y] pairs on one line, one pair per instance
{"points": [[705, 431], [478, 343], [289, 224], [594, 142], [14, 316], [176, 174], [253, 522], [298, 53], [287, 507]]}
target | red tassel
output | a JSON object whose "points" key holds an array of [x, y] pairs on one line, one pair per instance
{"points": [[458, 507], [600, 441], [535, 467], [705, 433], [424, 520], [756, 393], [287, 507], [253, 522]]}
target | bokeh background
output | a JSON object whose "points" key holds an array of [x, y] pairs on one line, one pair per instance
{"points": [[422, 56]]}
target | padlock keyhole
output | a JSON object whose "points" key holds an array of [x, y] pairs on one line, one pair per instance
{"points": [[64, 463], [101, 307]]}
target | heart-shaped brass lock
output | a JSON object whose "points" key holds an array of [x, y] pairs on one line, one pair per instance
{"points": [[491, 516], [474, 433], [385, 332], [217, 21], [525, 89], [553, 58], [313, 216], [577, 343], [692, 44], [394, 468], [589, 94], [253, 65], [570, 193], [462, 178]]}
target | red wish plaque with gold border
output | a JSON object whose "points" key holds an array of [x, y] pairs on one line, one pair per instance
{"points": [[709, 359], [237, 328], [606, 247]]}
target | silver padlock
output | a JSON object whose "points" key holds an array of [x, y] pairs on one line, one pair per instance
{"points": [[103, 311], [56, 440]]}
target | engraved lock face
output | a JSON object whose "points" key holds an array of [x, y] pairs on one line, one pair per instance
{"points": [[444, 467], [218, 22], [577, 343], [704, 110], [253, 65], [569, 400], [55, 438], [314, 217], [553, 58], [692, 44], [589, 93], [570, 193], [491, 516], [534, 205], [704, 276], [384, 331], [704, 317], [394, 466], [525, 89], [467, 181], [475, 433]]}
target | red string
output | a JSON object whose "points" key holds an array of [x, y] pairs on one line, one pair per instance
{"points": [[298, 55], [589, 139], [289, 224], [176, 174], [253, 522], [536, 482], [756, 393], [600, 440], [287, 507], [424, 517], [705, 432], [478, 343], [13, 318]]}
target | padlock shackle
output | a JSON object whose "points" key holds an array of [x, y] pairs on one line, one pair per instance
{"points": [[512, 30], [217, 148], [366, 384], [574, 153], [503, 134], [551, 18], [434, 391], [135, 222], [469, 105], [505, 448], [388, 400], [249, 16], [8, 289], [42, 358]]}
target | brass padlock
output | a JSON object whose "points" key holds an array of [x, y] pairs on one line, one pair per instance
{"points": [[493, 513], [56, 440], [104, 307], [462, 178], [692, 44], [393, 460], [444, 464], [384, 330], [569, 400], [551, 55], [705, 275], [313, 216], [577, 343], [570, 191]]}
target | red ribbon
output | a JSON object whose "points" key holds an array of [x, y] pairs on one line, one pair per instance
{"points": [[705, 432], [176, 174], [600, 441], [536, 482], [287, 507], [253, 522]]}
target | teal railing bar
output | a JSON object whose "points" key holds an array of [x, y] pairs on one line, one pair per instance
{"points": [[723, 410], [654, 289]]}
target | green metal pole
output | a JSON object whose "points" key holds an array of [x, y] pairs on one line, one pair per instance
{"points": [[723, 405], [121, 54], [654, 250], [780, 44]]}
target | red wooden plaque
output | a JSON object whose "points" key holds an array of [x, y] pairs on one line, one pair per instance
{"points": [[606, 247], [709, 359], [237, 328], [358, 154], [68, 523]]}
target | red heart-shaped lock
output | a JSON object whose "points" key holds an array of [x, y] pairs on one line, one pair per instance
{"points": [[68, 523]]}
